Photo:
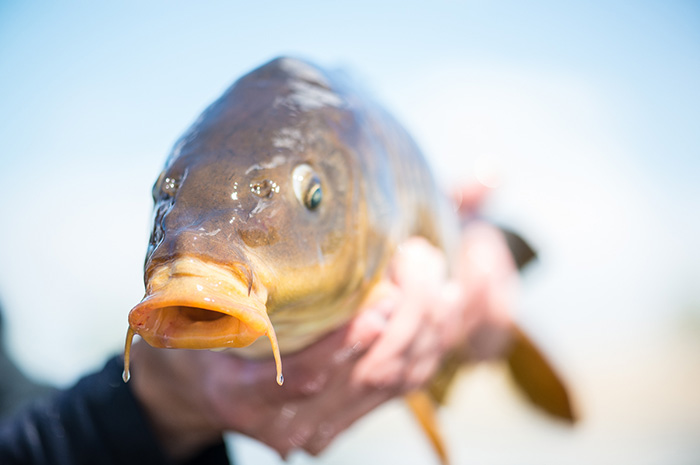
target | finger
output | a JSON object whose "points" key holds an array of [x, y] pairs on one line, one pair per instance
{"points": [[309, 371], [418, 264], [455, 322], [483, 251], [418, 271], [469, 198], [386, 364], [357, 404], [312, 422], [441, 332]]}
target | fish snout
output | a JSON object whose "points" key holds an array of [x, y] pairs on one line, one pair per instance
{"points": [[194, 304], [208, 243]]}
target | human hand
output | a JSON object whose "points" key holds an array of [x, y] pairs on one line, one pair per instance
{"points": [[395, 344], [489, 280]]}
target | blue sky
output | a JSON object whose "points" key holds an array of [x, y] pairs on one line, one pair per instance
{"points": [[590, 110], [94, 94], [76, 58]]}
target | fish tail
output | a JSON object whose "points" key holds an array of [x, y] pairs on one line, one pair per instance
{"points": [[424, 408], [534, 374]]}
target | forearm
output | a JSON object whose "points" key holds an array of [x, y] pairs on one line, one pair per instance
{"points": [[96, 421]]}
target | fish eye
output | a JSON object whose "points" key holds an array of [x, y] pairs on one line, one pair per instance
{"points": [[307, 186], [313, 196]]}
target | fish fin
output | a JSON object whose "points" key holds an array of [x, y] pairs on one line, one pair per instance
{"points": [[535, 375], [424, 408], [440, 384], [521, 251]]}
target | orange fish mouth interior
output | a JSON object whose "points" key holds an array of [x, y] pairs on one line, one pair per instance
{"points": [[197, 314], [194, 328], [190, 304]]}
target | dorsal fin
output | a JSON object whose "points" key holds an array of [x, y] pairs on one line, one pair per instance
{"points": [[522, 252]]}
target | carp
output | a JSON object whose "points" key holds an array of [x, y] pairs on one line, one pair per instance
{"points": [[276, 214]]}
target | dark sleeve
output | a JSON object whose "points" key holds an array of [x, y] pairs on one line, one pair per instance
{"points": [[97, 421], [16, 389]]}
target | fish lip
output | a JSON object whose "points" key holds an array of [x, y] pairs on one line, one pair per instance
{"points": [[190, 283], [164, 317]]}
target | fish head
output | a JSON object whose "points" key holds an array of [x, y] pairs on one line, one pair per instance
{"points": [[258, 218]]}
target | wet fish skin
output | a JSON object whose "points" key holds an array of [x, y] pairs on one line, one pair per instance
{"points": [[244, 246], [316, 266]]}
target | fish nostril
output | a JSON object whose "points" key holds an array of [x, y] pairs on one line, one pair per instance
{"points": [[265, 188]]}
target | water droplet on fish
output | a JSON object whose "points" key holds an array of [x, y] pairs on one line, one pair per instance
{"points": [[280, 379], [170, 185], [126, 376], [264, 188]]}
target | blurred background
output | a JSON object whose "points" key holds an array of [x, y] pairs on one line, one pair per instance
{"points": [[585, 115]]}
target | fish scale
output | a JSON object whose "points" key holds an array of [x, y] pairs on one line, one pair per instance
{"points": [[279, 210]]}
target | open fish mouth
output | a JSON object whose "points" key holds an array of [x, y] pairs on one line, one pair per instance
{"points": [[192, 304]]}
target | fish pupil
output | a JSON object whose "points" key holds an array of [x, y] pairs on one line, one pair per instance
{"points": [[314, 197]]}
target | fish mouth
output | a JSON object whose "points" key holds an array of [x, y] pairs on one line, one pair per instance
{"points": [[192, 304], [176, 319]]}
